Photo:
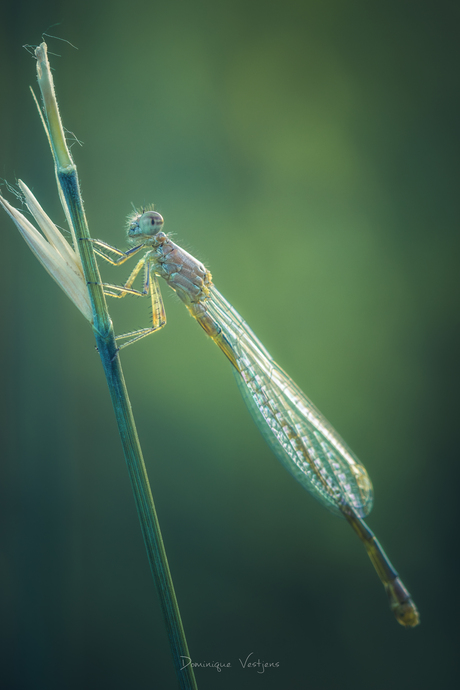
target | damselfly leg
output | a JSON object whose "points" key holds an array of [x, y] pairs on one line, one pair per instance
{"points": [[150, 287]]}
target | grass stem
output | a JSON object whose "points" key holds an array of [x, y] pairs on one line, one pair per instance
{"points": [[66, 173]]}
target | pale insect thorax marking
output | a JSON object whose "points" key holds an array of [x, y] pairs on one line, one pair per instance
{"points": [[185, 274], [191, 281]]}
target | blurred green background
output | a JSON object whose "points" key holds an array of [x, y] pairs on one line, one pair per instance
{"points": [[308, 153]]}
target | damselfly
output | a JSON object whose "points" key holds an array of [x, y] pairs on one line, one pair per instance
{"points": [[301, 438]]}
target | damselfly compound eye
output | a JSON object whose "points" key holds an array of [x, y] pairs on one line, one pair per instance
{"points": [[150, 223]]}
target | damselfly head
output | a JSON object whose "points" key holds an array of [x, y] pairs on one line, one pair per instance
{"points": [[142, 226]]}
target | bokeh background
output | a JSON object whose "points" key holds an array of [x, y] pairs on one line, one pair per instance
{"points": [[308, 153]]}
